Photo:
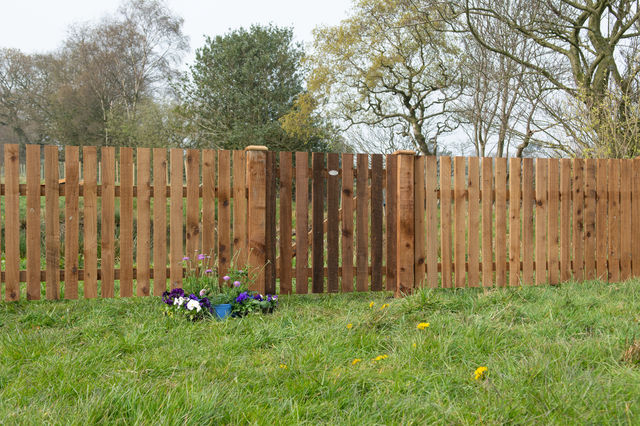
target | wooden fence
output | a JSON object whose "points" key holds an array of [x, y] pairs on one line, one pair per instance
{"points": [[311, 222]]}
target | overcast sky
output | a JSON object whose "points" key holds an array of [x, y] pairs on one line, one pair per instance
{"points": [[41, 25]]}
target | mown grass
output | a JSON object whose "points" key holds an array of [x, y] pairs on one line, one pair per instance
{"points": [[553, 356]]}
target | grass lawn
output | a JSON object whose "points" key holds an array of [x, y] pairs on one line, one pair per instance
{"points": [[553, 356]]}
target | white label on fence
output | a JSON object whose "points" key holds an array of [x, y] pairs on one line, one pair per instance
{"points": [[333, 172]]}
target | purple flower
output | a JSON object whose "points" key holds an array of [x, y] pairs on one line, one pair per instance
{"points": [[226, 278], [169, 296], [201, 257], [237, 284], [258, 297], [203, 292], [185, 258], [208, 271], [242, 297]]}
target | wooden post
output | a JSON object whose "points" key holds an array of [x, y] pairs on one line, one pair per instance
{"points": [[405, 223], [256, 157]]}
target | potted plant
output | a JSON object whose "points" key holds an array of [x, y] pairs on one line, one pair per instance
{"points": [[221, 303]]}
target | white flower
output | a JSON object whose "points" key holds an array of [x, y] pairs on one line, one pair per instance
{"points": [[179, 301], [193, 304]]}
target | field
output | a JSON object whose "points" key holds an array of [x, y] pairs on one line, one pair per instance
{"points": [[553, 356]]}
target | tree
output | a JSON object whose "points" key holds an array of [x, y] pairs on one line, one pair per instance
{"points": [[585, 53], [387, 67], [240, 86]]}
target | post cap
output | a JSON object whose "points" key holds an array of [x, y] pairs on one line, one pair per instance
{"points": [[404, 152], [256, 148]]}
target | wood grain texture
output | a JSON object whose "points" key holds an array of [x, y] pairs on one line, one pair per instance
{"points": [[487, 222], [12, 222], [333, 224], [501, 222], [420, 252], [347, 223], [159, 221], [635, 217], [224, 212], [176, 220], [143, 233], [362, 223], [445, 220], [625, 219], [107, 230], [72, 221], [578, 219], [553, 202], [405, 224], [528, 201], [33, 222], [541, 220], [391, 219], [602, 231], [515, 186], [317, 216], [565, 220], [193, 203], [90, 221], [432, 239], [286, 252], [209, 204], [614, 219], [257, 220], [590, 197], [376, 221], [270, 224], [474, 221], [460, 213], [240, 209], [126, 222], [302, 222]]}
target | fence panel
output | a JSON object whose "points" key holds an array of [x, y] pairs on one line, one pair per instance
{"points": [[549, 221]]}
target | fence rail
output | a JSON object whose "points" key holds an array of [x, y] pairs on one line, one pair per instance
{"points": [[107, 219]]}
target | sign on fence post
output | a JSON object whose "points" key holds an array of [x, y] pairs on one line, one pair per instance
{"points": [[405, 222], [256, 213]]}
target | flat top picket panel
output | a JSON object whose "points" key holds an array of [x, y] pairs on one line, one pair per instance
{"points": [[12, 223], [176, 218], [460, 209], [391, 216], [333, 204], [553, 198], [126, 222], [347, 223], [501, 222], [302, 222], [602, 232], [376, 221], [33, 221], [474, 221], [71, 222], [514, 221], [362, 223], [541, 221], [143, 236], [445, 220], [613, 179], [107, 231], [160, 222], [286, 252], [528, 198], [590, 196], [487, 223]]}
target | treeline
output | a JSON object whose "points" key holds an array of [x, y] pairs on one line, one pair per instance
{"points": [[480, 77]]}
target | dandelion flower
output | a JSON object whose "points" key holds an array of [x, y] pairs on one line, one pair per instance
{"points": [[283, 366], [414, 345], [479, 374], [355, 361], [422, 325], [381, 357], [386, 305], [349, 326], [371, 305]]}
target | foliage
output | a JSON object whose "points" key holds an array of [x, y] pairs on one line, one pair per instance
{"points": [[387, 67], [240, 86], [189, 305]]}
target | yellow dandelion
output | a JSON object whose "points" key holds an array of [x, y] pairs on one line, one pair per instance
{"points": [[371, 305], [479, 374], [355, 361], [422, 325], [414, 345], [283, 366], [386, 305], [349, 326], [380, 357]]}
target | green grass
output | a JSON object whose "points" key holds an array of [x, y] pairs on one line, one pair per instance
{"points": [[553, 355]]}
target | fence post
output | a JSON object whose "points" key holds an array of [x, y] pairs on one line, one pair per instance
{"points": [[405, 232], [256, 158]]}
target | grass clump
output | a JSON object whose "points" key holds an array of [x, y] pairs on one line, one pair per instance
{"points": [[552, 355]]}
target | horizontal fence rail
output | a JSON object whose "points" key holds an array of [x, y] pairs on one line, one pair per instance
{"points": [[106, 221]]}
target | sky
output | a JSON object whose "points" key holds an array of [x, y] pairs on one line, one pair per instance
{"points": [[41, 25]]}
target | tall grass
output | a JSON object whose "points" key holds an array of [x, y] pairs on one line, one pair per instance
{"points": [[553, 356]]}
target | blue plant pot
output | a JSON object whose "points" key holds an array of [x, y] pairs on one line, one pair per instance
{"points": [[223, 310]]}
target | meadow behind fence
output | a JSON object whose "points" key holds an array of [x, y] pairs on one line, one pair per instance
{"points": [[106, 220]]}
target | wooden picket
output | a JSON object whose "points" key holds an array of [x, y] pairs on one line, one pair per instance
{"points": [[392, 222]]}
